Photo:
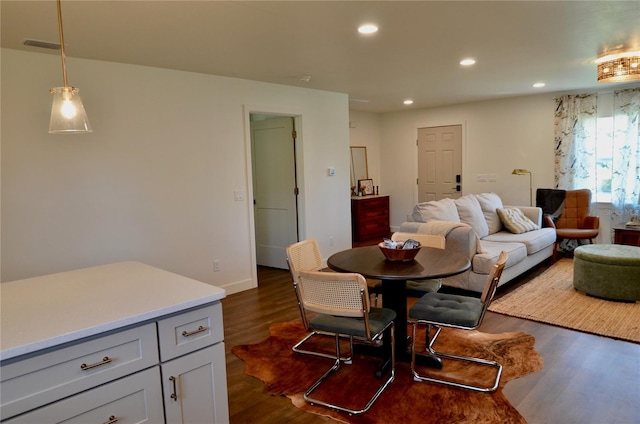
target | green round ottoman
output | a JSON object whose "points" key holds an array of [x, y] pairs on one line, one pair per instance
{"points": [[609, 271]]}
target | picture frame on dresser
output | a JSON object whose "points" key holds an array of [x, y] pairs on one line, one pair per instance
{"points": [[366, 186]]}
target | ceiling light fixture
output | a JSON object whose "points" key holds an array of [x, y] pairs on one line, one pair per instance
{"points": [[408, 102], [467, 62], [619, 67], [367, 29], [67, 112], [539, 85]]}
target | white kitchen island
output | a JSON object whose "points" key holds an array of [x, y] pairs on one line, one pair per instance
{"points": [[118, 343]]}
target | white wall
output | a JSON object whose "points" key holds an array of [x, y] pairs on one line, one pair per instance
{"points": [[154, 182], [364, 130], [498, 136]]}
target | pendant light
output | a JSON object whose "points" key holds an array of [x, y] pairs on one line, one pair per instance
{"points": [[67, 112]]}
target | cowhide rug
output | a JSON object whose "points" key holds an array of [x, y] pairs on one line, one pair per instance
{"points": [[405, 401]]}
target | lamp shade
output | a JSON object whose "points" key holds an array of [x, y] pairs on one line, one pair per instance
{"points": [[67, 112]]}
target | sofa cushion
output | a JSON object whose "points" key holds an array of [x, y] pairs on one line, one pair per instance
{"points": [[436, 210], [515, 221], [533, 240], [490, 203], [482, 262], [471, 214]]}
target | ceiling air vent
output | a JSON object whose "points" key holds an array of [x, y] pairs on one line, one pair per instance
{"points": [[42, 44]]}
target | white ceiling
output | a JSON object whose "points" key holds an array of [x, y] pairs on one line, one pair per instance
{"points": [[415, 53]]}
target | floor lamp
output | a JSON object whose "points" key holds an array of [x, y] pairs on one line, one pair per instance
{"points": [[525, 172]]}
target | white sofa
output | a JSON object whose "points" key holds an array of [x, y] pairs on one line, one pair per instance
{"points": [[474, 225]]}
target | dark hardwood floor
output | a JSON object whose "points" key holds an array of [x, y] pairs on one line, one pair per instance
{"points": [[586, 379]]}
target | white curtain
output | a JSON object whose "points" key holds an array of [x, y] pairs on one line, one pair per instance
{"points": [[625, 183], [574, 132]]}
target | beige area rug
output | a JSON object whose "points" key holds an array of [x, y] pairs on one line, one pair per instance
{"points": [[551, 298]]}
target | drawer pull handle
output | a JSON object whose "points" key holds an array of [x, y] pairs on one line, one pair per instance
{"points": [[104, 361], [112, 420], [174, 395], [191, 333]]}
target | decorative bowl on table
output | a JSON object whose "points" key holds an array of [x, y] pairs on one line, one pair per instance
{"points": [[398, 255]]}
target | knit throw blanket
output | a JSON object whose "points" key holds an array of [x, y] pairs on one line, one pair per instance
{"points": [[445, 227]]}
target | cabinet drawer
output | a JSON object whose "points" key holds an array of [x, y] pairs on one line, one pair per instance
{"points": [[134, 399], [375, 226], [373, 203], [45, 378], [190, 331]]}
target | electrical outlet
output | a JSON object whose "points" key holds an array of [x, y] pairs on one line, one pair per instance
{"points": [[216, 265], [330, 241], [481, 178]]}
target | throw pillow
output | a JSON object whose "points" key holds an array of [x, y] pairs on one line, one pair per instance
{"points": [[436, 210], [490, 202], [471, 214], [515, 221]]}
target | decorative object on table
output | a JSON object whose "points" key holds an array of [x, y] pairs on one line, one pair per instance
{"points": [[633, 222], [519, 171], [67, 112], [339, 304], [439, 310], [285, 373], [396, 252], [567, 307], [366, 187]]}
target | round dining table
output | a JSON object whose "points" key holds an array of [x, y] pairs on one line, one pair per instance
{"points": [[370, 262]]}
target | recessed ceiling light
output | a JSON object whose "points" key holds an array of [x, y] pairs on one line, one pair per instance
{"points": [[468, 62], [408, 102], [539, 85], [367, 29]]}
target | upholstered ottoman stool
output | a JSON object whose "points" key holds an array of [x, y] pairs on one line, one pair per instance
{"points": [[610, 271]]}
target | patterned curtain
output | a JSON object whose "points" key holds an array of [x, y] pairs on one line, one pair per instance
{"points": [[574, 132], [625, 183]]}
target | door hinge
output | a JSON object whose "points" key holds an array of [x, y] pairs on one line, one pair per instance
{"points": [[296, 191], [294, 134], [417, 180], [417, 142]]}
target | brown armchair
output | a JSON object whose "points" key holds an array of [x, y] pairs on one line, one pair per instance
{"points": [[574, 223]]}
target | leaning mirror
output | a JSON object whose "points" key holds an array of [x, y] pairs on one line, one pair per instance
{"points": [[359, 168]]}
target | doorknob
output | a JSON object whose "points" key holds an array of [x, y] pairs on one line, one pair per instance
{"points": [[456, 188]]}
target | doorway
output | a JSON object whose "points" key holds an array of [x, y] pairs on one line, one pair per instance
{"points": [[275, 189], [439, 163]]}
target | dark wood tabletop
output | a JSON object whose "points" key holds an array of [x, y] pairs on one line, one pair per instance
{"points": [[370, 262]]}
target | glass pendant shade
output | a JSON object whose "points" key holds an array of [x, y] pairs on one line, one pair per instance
{"points": [[67, 112]]}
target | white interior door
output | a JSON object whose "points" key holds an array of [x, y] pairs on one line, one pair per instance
{"points": [[439, 162], [274, 189]]}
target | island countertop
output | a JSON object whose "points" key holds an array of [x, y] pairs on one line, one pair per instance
{"points": [[42, 312]]}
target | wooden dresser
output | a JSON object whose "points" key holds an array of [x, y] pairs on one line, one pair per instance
{"points": [[118, 343], [627, 235], [369, 219]]}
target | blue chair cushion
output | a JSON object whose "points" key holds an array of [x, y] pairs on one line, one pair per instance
{"points": [[378, 319], [463, 311]]}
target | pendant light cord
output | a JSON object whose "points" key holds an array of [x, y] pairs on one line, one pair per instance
{"points": [[64, 65]]}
